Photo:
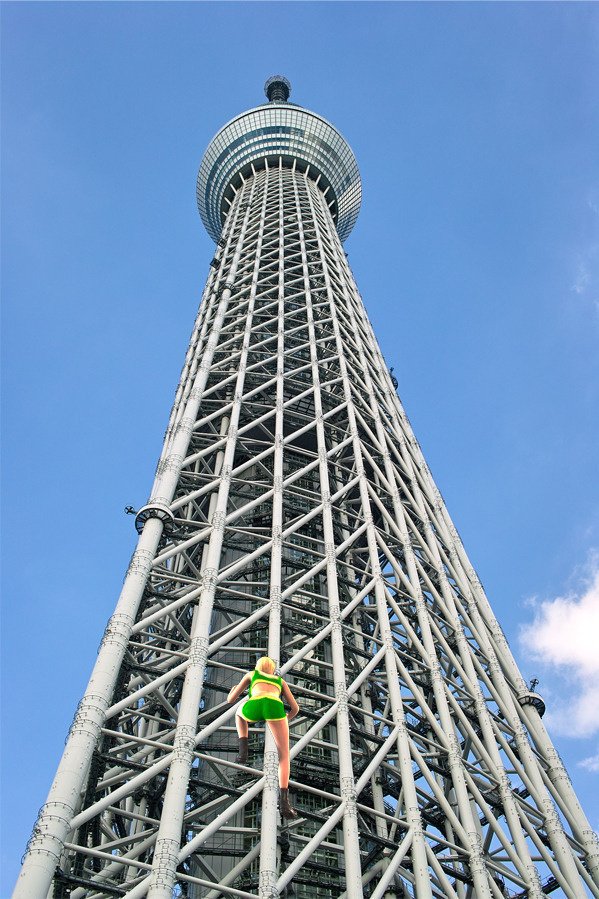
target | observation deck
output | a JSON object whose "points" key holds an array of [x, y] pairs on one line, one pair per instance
{"points": [[279, 129]]}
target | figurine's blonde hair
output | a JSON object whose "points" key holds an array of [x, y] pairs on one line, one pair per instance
{"points": [[266, 665]]}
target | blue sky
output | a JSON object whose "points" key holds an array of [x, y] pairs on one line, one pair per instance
{"points": [[476, 251]]}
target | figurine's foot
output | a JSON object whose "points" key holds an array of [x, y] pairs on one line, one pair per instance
{"points": [[287, 811], [242, 755]]}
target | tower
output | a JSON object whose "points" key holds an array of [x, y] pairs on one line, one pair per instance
{"points": [[293, 514]]}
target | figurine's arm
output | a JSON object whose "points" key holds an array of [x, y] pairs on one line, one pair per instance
{"points": [[294, 707], [236, 691]]}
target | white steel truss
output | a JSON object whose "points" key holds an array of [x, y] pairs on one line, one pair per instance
{"points": [[294, 514]]}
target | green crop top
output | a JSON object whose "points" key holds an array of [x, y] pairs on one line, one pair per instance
{"points": [[258, 677]]}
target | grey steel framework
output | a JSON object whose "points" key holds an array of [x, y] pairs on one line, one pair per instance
{"points": [[293, 513]]}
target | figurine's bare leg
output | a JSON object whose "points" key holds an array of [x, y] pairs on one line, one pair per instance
{"points": [[241, 725], [280, 732]]}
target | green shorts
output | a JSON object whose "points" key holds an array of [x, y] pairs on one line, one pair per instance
{"points": [[263, 708]]}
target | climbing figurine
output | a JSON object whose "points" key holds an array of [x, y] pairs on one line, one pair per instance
{"points": [[264, 704]]}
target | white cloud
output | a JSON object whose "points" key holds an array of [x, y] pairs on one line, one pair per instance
{"points": [[583, 277], [591, 764], [564, 638], [587, 261]]}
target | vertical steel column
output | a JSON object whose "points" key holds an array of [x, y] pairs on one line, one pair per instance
{"points": [[168, 841], [570, 806], [351, 840], [268, 837]]}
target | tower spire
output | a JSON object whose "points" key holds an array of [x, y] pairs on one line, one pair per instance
{"points": [[277, 89]]}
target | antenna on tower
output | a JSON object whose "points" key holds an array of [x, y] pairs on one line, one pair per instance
{"points": [[277, 89]]}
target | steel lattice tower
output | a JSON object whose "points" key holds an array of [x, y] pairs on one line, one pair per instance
{"points": [[293, 513]]}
